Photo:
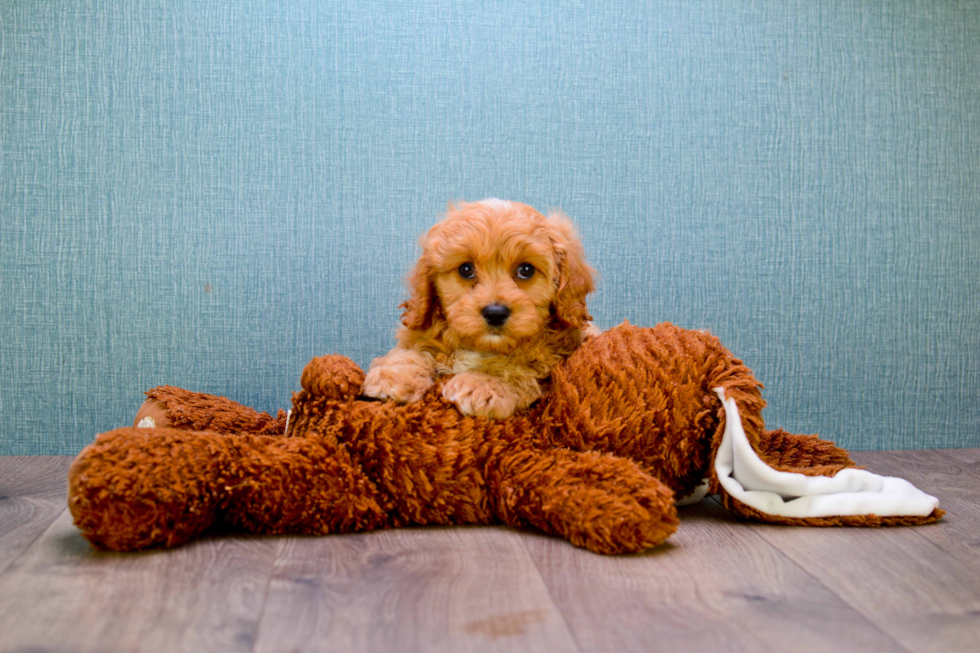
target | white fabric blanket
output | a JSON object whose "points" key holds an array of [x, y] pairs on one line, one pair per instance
{"points": [[851, 492]]}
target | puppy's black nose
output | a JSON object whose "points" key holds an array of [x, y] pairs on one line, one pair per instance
{"points": [[495, 314]]}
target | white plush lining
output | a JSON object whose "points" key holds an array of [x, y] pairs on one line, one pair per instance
{"points": [[851, 492]]}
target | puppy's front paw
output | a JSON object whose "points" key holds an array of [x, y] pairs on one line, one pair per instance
{"points": [[480, 394], [397, 382]]}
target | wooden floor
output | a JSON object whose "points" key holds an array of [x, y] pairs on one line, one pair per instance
{"points": [[720, 585]]}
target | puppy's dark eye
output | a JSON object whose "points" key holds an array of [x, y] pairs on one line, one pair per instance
{"points": [[467, 271], [525, 271]]}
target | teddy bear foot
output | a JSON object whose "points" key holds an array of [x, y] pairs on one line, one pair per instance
{"points": [[152, 413]]}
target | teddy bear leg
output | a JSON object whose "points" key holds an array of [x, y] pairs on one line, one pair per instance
{"points": [[303, 485], [198, 411], [597, 501], [136, 488]]}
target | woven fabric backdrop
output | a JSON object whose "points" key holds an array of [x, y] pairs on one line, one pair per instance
{"points": [[207, 194]]}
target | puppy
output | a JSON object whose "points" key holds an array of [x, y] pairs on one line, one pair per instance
{"points": [[498, 298]]}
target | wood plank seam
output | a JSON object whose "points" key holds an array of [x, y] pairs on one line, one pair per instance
{"points": [[260, 619], [13, 561], [554, 602]]}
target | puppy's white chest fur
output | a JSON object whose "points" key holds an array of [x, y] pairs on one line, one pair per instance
{"points": [[463, 360]]}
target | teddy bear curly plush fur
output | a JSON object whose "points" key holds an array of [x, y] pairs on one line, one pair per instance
{"points": [[635, 419]]}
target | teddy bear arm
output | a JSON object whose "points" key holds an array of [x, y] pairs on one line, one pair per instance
{"points": [[597, 501], [332, 377], [199, 411], [335, 377]]}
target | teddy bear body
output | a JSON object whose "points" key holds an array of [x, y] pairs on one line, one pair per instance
{"points": [[630, 421]]}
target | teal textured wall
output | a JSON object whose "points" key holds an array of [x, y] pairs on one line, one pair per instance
{"points": [[208, 194]]}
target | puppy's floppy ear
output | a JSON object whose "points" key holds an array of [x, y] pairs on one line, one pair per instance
{"points": [[419, 308], [575, 276]]}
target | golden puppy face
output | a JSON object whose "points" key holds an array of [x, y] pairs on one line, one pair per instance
{"points": [[495, 274]]}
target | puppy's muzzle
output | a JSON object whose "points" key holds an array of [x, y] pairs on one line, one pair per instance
{"points": [[495, 314]]}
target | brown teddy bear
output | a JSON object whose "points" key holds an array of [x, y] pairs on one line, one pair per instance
{"points": [[634, 419]]}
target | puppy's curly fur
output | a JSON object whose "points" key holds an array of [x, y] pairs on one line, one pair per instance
{"points": [[498, 298]]}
